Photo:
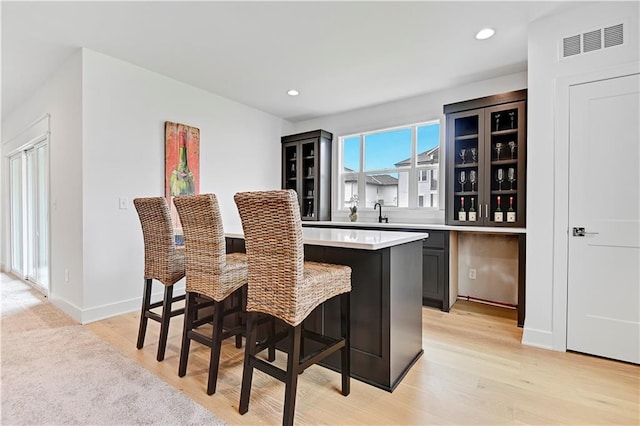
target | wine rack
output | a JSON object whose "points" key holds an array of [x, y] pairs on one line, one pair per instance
{"points": [[486, 161], [306, 168]]}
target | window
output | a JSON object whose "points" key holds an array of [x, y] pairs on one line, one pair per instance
{"points": [[396, 167]]}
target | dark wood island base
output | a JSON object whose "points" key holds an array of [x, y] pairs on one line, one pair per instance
{"points": [[386, 309]]}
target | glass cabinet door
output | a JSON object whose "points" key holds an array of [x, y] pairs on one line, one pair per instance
{"points": [[505, 169], [308, 179], [467, 156], [486, 150], [290, 167], [299, 174]]}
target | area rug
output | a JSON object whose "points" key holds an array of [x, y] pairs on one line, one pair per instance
{"points": [[68, 376]]}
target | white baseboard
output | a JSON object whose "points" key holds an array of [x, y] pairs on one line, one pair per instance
{"points": [[68, 308], [99, 313], [538, 338], [111, 310]]}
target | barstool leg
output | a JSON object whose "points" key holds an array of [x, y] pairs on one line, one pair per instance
{"points": [[238, 297], [293, 362], [189, 313], [216, 340], [164, 324], [146, 301], [271, 353], [247, 369], [345, 325]]}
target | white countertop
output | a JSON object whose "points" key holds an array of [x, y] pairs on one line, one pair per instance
{"points": [[353, 238], [425, 226]]}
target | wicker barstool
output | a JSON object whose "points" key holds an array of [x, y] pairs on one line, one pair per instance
{"points": [[283, 285], [213, 277], [163, 261]]}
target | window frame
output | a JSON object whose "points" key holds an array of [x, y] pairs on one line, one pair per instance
{"points": [[412, 170]]}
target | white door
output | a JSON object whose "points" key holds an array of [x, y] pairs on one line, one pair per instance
{"points": [[603, 312]]}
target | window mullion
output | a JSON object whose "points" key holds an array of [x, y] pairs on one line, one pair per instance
{"points": [[413, 177], [362, 180]]}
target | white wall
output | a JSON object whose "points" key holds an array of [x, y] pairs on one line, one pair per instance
{"points": [[107, 141], [495, 259], [547, 162], [407, 111], [60, 96], [125, 108]]}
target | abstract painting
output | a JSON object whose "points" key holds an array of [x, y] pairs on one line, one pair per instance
{"points": [[182, 163]]}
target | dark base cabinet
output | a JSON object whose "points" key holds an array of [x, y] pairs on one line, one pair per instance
{"points": [[386, 321], [435, 270]]}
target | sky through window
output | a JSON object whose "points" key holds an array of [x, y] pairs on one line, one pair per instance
{"points": [[385, 149]]}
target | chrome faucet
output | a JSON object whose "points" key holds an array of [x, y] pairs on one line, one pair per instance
{"points": [[380, 217]]}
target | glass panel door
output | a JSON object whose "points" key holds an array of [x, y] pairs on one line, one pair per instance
{"points": [[31, 228], [37, 203], [17, 220], [42, 217], [30, 215]]}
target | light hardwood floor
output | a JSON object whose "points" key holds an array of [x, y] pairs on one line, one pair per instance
{"points": [[474, 371]]}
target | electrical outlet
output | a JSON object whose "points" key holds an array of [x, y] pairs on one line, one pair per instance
{"points": [[472, 273], [66, 275], [124, 203]]}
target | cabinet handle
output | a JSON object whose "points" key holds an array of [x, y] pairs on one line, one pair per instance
{"points": [[480, 212], [486, 210]]}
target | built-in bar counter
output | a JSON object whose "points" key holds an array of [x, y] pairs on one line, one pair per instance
{"points": [[440, 256], [386, 294], [423, 227]]}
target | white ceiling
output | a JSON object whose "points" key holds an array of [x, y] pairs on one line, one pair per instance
{"points": [[339, 55]]}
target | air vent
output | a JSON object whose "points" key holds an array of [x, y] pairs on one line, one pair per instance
{"points": [[593, 40], [571, 46], [613, 36]]}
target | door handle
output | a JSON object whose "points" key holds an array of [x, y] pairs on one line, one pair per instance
{"points": [[581, 232]]}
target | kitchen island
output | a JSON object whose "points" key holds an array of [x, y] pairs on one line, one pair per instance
{"points": [[386, 308]]}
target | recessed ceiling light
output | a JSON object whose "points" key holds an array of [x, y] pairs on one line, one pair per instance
{"points": [[293, 92], [485, 33]]}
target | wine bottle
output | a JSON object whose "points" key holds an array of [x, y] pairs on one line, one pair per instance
{"points": [[511, 214], [182, 181], [472, 211], [462, 214], [498, 215]]}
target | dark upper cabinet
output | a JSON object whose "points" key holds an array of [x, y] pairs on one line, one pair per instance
{"points": [[486, 161], [306, 168]]}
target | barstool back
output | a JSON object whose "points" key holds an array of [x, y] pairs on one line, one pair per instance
{"points": [[163, 261]]}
